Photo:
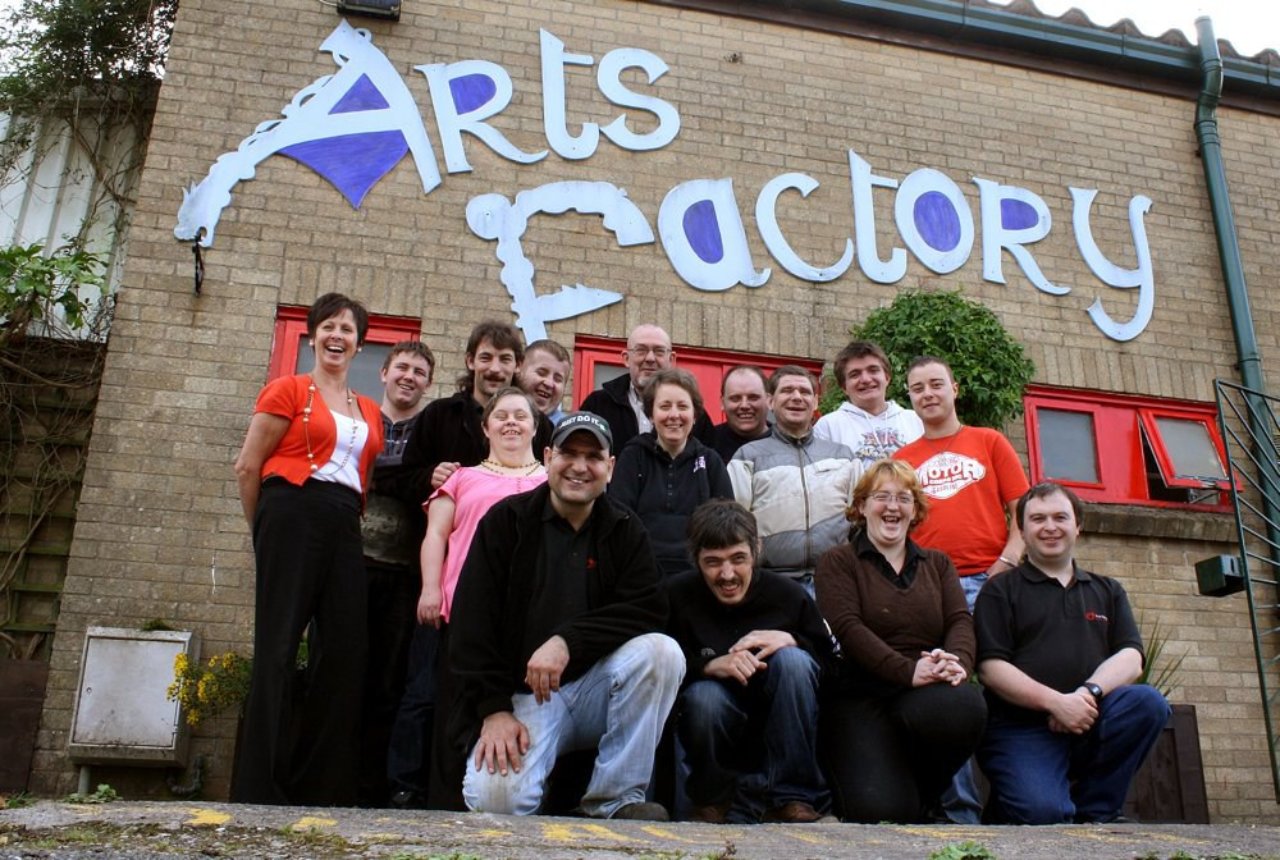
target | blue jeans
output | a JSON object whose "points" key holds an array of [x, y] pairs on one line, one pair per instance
{"points": [[1043, 777], [755, 745], [619, 706], [960, 801]]}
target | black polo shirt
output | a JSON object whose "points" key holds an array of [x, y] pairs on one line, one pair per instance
{"points": [[1056, 635], [561, 569]]}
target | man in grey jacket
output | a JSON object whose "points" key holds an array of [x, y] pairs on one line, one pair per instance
{"points": [[797, 485]]}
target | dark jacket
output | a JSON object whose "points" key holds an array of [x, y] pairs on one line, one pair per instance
{"points": [[665, 492], [447, 431], [707, 629], [497, 587], [610, 402], [726, 442]]}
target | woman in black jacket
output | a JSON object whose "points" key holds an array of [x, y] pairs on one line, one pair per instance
{"points": [[663, 475]]}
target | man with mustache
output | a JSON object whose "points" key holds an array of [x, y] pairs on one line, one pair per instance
{"points": [[754, 647], [446, 436], [621, 401]]}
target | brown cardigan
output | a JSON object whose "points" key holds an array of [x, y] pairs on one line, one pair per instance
{"points": [[881, 627]]}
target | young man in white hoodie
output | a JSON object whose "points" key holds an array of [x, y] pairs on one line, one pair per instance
{"points": [[870, 425]]}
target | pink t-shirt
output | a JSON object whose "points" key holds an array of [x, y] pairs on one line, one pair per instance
{"points": [[474, 490]]}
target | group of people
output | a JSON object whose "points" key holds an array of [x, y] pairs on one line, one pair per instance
{"points": [[773, 619]]}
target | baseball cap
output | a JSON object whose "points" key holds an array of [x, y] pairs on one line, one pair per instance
{"points": [[588, 421]]}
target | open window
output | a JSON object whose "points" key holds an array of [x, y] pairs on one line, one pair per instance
{"points": [[596, 360], [1126, 449], [291, 354]]}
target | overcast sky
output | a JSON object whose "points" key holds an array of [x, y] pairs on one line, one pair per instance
{"points": [[1250, 26]]}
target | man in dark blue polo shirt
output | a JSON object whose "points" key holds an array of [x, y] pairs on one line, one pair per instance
{"points": [[1059, 651]]}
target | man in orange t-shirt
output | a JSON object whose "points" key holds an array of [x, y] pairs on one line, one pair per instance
{"points": [[973, 480]]}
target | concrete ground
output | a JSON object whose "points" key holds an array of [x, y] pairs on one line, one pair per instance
{"points": [[122, 829]]}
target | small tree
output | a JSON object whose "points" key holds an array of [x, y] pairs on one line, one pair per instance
{"points": [[989, 364]]}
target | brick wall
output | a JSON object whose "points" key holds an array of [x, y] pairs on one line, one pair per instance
{"points": [[160, 530]]}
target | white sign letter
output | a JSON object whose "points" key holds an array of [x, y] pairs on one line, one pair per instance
{"points": [[1013, 217], [464, 95], [934, 220], [1111, 274], [609, 78], [703, 236], [864, 224], [554, 59], [779, 247]]}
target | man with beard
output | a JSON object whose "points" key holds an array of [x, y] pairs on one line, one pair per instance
{"points": [[754, 647], [446, 436], [621, 401], [746, 410]]}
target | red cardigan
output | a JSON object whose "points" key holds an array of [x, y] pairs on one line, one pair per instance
{"points": [[287, 397]]}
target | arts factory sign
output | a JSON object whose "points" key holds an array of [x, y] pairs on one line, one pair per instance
{"points": [[354, 126]]}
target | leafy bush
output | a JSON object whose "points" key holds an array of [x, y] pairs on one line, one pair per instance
{"points": [[989, 364], [40, 287]]}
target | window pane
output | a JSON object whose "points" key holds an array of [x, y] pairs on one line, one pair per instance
{"points": [[365, 374], [1067, 447], [606, 373], [1190, 448]]}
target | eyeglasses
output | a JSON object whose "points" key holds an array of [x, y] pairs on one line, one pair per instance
{"points": [[659, 352], [906, 500]]}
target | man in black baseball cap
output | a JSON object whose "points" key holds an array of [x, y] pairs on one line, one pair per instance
{"points": [[556, 639]]}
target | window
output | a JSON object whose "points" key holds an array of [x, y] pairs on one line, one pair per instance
{"points": [[1126, 449], [291, 354], [596, 360]]}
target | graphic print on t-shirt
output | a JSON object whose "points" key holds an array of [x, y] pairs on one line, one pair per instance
{"points": [[878, 444], [946, 474]]}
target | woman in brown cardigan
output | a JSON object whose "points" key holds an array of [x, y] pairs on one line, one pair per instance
{"points": [[902, 716]]}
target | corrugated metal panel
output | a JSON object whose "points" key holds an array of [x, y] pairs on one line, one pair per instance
{"points": [[52, 195]]}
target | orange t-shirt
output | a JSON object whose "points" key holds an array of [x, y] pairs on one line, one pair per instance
{"points": [[969, 477], [286, 396]]}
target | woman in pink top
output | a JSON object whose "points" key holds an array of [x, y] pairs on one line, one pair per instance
{"points": [[454, 510]]}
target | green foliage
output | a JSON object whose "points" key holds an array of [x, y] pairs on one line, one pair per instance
{"points": [[33, 284], [103, 794], [204, 689], [56, 51], [963, 851], [16, 801], [989, 364], [1158, 670]]}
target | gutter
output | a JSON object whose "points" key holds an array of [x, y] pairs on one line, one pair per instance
{"points": [[979, 24]]}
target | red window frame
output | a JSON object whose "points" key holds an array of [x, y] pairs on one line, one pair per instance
{"points": [[708, 366], [291, 330], [1124, 429]]}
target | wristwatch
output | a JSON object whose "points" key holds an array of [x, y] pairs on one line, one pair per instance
{"points": [[1094, 690]]}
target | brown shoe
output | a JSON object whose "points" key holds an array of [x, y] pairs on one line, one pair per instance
{"points": [[712, 813], [793, 812]]}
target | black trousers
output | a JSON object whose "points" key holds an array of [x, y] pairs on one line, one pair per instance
{"points": [[889, 755], [300, 738], [393, 606]]}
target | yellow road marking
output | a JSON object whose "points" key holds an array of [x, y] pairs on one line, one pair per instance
{"points": [[206, 818], [308, 822], [663, 833], [571, 832], [811, 838], [493, 833]]}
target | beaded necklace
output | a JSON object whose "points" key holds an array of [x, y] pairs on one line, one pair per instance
{"points": [[306, 430], [500, 469]]}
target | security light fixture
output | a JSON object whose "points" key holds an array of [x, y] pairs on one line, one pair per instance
{"points": [[387, 10]]}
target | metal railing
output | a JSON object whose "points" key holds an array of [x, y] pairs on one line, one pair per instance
{"points": [[1251, 432]]}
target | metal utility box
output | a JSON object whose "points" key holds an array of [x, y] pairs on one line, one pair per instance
{"points": [[122, 715]]}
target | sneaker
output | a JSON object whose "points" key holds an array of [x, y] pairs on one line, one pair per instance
{"points": [[641, 811], [793, 812], [712, 813]]}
